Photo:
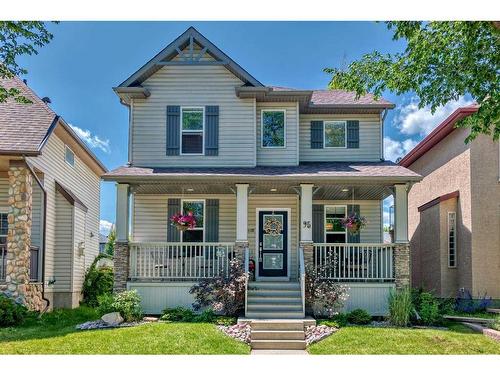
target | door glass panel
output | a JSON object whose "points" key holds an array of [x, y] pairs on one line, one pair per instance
{"points": [[272, 261], [273, 242]]}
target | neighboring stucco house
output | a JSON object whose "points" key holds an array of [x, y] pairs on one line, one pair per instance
{"points": [[269, 172], [49, 204], [454, 212]]}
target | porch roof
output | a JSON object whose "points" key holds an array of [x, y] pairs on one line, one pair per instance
{"points": [[384, 171]]}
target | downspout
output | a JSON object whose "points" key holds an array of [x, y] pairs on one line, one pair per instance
{"points": [[44, 229], [384, 113]]}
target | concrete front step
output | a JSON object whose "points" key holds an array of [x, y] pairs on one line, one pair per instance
{"points": [[274, 299], [277, 325], [278, 344], [274, 307], [274, 293], [274, 285], [274, 314], [277, 335]]}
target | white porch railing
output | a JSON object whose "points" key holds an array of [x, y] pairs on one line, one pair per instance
{"points": [[302, 275], [180, 260], [247, 272], [354, 262]]}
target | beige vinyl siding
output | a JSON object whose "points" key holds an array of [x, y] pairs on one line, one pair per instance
{"points": [[275, 201], [150, 216], [369, 139], [83, 182], [4, 191], [195, 85], [63, 245], [278, 156], [372, 210], [37, 219], [78, 255]]}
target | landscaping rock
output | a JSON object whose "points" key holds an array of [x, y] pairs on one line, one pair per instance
{"points": [[240, 331], [149, 319], [112, 319], [317, 333]]}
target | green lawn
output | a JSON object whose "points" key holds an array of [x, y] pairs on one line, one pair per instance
{"points": [[55, 334], [370, 340]]}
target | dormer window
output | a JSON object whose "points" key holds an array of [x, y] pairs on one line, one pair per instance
{"points": [[192, 120], [69, 156], [273, 128]]}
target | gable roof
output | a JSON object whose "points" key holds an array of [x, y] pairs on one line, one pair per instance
{"points": [[182, 41], [25, 128], [438, 134]]}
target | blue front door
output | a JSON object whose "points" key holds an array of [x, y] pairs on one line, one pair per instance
{"points": [[273, 243]]}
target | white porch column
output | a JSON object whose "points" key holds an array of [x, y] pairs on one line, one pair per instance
{"points": [[122, 212], [241, 212], [401, 213], [306, 195]]}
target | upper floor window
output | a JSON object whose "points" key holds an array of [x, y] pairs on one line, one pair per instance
{"points": [[69, 156], [334, 231], [197, 207], [452, 239], [3, 228], [193, 124], [273, 128], [335, 134]]}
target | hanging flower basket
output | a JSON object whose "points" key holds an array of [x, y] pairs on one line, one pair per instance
{"points": [[183, 222], [354, 223]]}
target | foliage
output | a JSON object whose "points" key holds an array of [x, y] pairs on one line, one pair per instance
{"points": [[325, 297], [496, 323], [183, 222], [354, 223], [400, 307], [127, 303], [427, 306], [466, 303], [336, 321], [359, 316], [19, 38], [223, 294], [109, 248], [428, 67], [11, 312], [225, 320], [97, 282], [178, 314]]}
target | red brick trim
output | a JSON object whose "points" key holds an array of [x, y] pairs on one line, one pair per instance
{"points": [[438, 200]]}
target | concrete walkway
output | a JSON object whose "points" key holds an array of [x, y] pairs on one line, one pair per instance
{"points": [[278, 352]]}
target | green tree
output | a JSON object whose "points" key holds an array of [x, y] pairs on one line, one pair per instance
{"points": [[441, 62], [19, 38], [109, 248]]}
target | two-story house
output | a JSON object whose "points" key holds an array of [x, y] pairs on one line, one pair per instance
{"points": [[268, 172]]}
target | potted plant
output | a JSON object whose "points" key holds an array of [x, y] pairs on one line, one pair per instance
{"points": [[354, 223], [183, 222]]}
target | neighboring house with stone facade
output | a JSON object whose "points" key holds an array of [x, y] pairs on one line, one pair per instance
{"points": [[454, 212], [49, 204], [268, 172]]}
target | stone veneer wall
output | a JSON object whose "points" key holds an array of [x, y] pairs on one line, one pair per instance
{"points": [[121, 266], [17, 279], [402, 265]]}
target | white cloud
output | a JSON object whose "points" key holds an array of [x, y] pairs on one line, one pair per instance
{"points": [[91, 139], [105, 226], [394, 149], [412, 120]]}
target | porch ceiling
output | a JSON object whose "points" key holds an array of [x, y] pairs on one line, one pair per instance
{"points": [[322, 191]]}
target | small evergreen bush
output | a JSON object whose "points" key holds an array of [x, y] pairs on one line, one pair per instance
{"points": [[177, 314], [11, 313], [400, 307], [127, 303], [428, 309], [98, 282], [359, 316]]}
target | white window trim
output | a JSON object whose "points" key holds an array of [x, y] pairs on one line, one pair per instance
{"points": [[202, 108], [204, 216], [262, 127], [324, 220], [345, 133], [66, 147], [452, 213]]}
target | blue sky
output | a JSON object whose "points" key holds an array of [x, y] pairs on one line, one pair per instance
{"points": [[86, 59]]}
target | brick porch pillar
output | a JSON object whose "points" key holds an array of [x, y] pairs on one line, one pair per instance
{"points": [[402, 265], [121, 266], [19, 231], [239, 250]]}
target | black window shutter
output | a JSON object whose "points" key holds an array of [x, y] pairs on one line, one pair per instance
{"points": [[316, 134], [353, 238], [173, 129], [353, 134], [212, 220], [174, 207], [318, 224], [212, 130]]}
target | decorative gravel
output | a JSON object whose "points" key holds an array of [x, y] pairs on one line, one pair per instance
{"points": [[240, 331], [99, 324], [317, 333]]}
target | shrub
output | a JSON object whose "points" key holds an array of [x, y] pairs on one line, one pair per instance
{"points": [[223, 294], [496, 323], [178, 314], [465, 303], [98, 281], [11, 312], [324, 297], [359, 316], [337, 321], [127, 303], [428, 309], [400, 307], [225, 320]]}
